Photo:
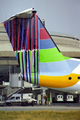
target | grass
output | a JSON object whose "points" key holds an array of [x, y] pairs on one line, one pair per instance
{"points": [[40, 115]]}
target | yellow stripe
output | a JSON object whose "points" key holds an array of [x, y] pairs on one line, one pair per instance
{"points": [[58, 81]]}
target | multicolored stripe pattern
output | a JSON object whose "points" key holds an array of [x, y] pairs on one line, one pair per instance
{"points": [[23, 35], [51, 60], [40, 60]]}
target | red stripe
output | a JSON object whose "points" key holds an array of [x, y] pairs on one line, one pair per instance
{"points": [[18, 31], [4, 24], [43, 34], [28, 45], [14, 34]]}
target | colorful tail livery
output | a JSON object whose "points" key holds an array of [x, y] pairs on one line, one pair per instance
{"points": [[40, 60]]}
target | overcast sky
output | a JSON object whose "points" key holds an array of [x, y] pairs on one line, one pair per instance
{"points": [[61, 16]]}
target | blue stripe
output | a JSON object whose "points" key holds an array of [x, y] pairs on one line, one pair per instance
{"points": [[29, 67], [54, 68], [58, 68], [73, 63], [46, 44], [17, 56], [7, 27], [26, 65]]}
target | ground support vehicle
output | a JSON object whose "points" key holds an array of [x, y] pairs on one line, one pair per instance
{"points": [[16, 99]]}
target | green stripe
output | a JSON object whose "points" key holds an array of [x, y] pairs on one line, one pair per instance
{"points": [[15, 53], [20, 61], [24, 66], [31, 65], [51, 55], [36, 67]]}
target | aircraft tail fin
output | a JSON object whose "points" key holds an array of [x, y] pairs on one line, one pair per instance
{"points": [[31, 43], [23, 35]]}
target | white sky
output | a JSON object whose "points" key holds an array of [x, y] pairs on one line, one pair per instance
{"points": [[61, 16]]}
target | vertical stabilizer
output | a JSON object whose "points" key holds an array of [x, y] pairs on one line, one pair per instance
{"points": [[23, 35], [34, 48]]}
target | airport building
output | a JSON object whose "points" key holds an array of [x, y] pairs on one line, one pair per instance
{"points": [[68, 45]]}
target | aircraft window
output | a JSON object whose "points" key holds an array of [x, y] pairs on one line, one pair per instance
{"points": [[69, 78], [78, 77], [68, 96], [17, 98], [12, 98], [58, 96]]}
